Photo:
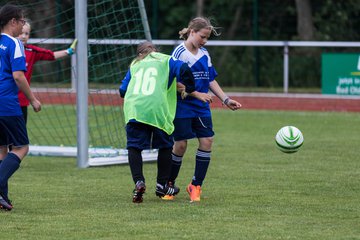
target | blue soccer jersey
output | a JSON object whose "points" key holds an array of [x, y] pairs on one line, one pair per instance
{"points": [[203, 71], [12, 59]]}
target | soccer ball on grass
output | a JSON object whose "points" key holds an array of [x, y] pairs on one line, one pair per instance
{"points": [[289, 139]]}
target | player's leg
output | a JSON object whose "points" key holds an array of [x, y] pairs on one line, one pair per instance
{"points": [[182, 132], [163, 165], [138, 138], [13, 133], [163, 188], [136, 164], [178, 152], [162, 141], [9, 166], [3, 153], [203, 128], [203, 156]]}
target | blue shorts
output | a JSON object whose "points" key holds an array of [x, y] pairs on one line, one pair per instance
{"points": [[143, 136], [13, 131], [188, 128]]}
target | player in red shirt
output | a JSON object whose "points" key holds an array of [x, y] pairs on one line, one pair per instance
{"points": [[34, 54]]}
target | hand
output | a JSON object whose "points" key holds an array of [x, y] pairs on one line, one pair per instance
{"points": [[232, 104], [71, 50], [184, 94], [36, 105], [180, 87]]}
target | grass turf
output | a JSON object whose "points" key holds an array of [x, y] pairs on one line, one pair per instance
{"points": [[252, 190]]}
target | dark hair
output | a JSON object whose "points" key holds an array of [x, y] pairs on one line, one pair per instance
{"points": [[8, 12]]}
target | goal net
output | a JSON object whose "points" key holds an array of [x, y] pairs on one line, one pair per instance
{"points": [[115, 27]]}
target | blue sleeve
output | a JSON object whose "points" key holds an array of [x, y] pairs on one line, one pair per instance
{"points": [[124, 84], [212, 73], [175, 66], [183, 74]]}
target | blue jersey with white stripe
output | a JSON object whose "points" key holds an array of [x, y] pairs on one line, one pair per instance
{"points": [[204, 72], [12, 59]]}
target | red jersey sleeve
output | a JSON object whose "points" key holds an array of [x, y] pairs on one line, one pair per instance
{"points": [[39, 53], [34, 54]]}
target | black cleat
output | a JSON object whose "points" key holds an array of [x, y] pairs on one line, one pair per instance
{"points": [[170, 190], [139, 191], [5, 203]]}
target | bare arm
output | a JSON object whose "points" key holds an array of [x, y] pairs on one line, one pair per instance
{"points": [[66, 52], [23, 85], [61, 54], [187, 86], [216, 89], [204, 97], [230, 103]]}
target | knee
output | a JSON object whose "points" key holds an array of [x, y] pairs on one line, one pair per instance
{"points": [[25, 150], [180, 148], [21, 152], [206, 143], [3, 151]]}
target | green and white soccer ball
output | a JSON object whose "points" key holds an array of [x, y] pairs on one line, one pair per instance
{"points": [[289, 139]]}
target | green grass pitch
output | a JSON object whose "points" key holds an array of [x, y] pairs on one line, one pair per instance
{"points": [[252, 190]]}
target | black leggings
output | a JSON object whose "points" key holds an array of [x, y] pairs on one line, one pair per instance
{"points": [[163, 165]]}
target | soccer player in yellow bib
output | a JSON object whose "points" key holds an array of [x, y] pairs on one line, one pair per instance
{"points": [[150, 98]]}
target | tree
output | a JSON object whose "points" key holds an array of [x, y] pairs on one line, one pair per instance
{"points": [[230, 35], [200, 7], [305, 25]]}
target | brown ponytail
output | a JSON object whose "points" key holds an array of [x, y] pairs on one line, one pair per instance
{"points": [[143, 50], [197, 24]]}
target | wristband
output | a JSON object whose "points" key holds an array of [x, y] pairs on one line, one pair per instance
{"points": [[226, 101], [70, 51]]}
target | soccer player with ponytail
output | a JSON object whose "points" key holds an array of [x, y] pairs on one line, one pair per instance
{"points": [[193, 117], [13, 133]]}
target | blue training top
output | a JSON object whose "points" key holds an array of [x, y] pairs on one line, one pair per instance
{"points": [[12, 59], [204, 73]]}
